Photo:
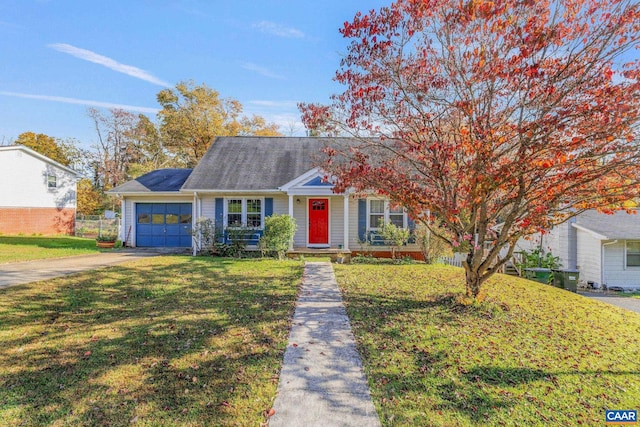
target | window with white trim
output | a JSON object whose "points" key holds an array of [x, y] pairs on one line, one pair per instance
{"points": [[379, 210], [241, 212], [633, 254], [52, 181]]}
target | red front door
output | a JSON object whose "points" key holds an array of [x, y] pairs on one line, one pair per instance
{"points": [[318, 221]]}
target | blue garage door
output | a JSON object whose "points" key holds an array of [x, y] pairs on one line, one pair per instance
{"points": [[163, 225]]}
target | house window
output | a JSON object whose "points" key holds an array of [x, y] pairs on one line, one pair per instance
{"points": [[383, 211], [633, 254], [52, 181], [254, 213], [244, 212], [234, 213]]}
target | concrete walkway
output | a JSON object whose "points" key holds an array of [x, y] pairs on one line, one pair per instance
{"points": [[632, 304], [322, 382], [33, 271]]}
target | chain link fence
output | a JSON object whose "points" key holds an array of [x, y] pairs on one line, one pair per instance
{"points": [[91, 226]]}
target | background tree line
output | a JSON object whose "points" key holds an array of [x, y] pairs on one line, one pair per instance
{"points": [[128, 145]]}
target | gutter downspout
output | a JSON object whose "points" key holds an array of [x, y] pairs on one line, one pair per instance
{"points": [[602, 263]]}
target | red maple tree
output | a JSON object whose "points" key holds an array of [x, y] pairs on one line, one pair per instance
{"points": [[501, 118]]}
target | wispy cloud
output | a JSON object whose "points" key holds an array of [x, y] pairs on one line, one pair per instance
{"points": [[278, 29], [105, 61], [275, 104], [82, 102], [261, 70], [11, 25]]}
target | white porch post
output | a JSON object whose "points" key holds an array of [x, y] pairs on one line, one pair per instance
{"points": [[194, 221], [123, 221], [291, 215], [345, 244]]}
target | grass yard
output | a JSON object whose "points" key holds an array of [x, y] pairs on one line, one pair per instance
{"points": [[19, 248], [531, 355], [175, 341]]}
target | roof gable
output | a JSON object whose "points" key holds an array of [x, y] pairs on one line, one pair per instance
{"points": [[620, 225], [39, 156]]}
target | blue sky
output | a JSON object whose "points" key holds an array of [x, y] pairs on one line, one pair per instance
{"points": [[59, 57]]}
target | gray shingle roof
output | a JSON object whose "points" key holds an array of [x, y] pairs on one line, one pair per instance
{"points": [[255, 163], [620, 225], [158, 180]]}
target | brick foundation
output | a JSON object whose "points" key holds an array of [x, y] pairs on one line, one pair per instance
{"points": [[387, 254], [45, 221]]}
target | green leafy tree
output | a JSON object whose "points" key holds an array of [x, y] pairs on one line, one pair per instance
{"points": [[193, 115], [46, 145], [89, 198]]}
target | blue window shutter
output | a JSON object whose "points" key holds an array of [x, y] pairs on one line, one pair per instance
{"points": [[219, 216], [268, 206], [219, 219], [412, 227], [362, 219]]}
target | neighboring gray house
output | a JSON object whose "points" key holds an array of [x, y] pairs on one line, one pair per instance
{"points": [[604, 248], [242, 180]]}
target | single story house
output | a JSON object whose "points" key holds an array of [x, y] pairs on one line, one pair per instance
{"points": [[242, 180], [37, 194], [604, 248]]}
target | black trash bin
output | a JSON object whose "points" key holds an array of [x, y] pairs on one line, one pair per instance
{"points": [[566, 279], [539, 274]]}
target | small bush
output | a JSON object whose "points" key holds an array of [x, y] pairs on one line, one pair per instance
{"points": [[394, 236], [205, 236], [278, 233]]}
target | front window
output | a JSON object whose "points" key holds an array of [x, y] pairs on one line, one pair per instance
{"points": [[244, 212], [52, 181], [234, 213], [376, 213], [382, 211], [633, 254]]}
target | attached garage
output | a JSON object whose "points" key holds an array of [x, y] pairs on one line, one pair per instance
{"points": [[163, 225]]}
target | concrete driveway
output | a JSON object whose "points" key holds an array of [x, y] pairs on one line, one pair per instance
{"points": [[32, 271], [632, 304]]}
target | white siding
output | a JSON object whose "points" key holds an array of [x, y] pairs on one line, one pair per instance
{"points": [[23, 182], [208, 207], [589, 257], [354, 239], [336, 221], [281, 205], [615, 273], [300, 214]]}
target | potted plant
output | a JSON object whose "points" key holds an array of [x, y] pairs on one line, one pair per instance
{"points": [[106, 240]]}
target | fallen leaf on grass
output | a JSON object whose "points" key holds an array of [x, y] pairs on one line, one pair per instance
{"points": [[269, 413]]}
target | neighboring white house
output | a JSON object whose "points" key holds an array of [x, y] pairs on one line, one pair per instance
{"points": [[37, 194], [242, 180], [604, 248]]}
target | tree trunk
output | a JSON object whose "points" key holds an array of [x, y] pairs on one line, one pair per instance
{"points": [[474, 275], [473, 284]]}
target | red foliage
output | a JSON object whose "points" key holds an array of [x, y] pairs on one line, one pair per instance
{"points": [[512, 112]]}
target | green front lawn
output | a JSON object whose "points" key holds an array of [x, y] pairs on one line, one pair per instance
{"points": [[19, 248], [530, 355], [162, 341]]}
